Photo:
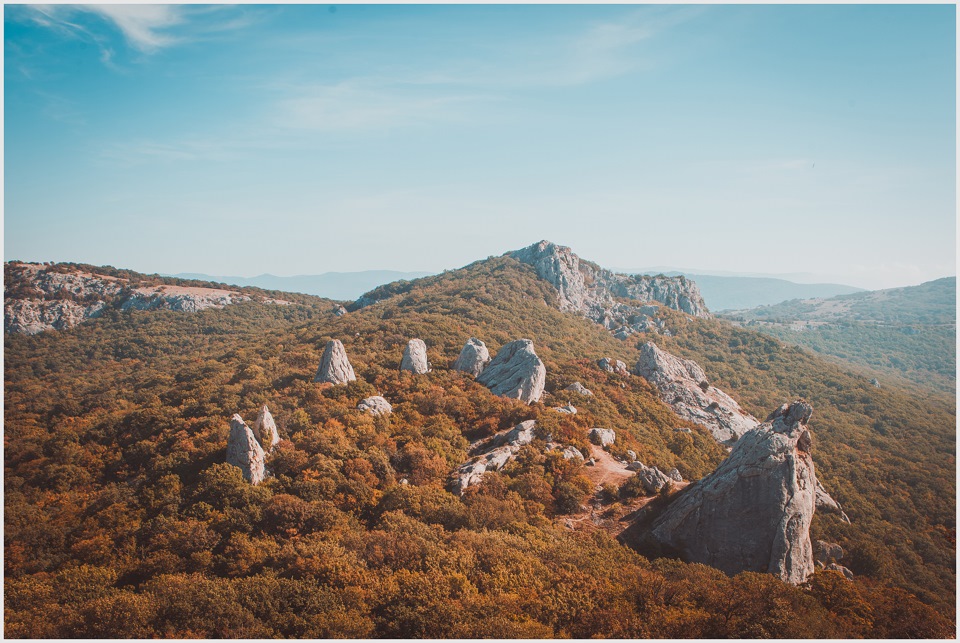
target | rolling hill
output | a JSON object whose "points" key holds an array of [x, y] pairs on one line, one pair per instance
{"points": [[122, 519]]}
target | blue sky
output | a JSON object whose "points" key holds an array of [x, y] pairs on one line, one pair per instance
{"points": [[304, 139]]}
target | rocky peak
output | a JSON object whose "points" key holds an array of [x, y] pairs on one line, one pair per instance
{"points": [[335, 368], [754, 512], [265, 429], [516, 372], [415, 357], [473, 358], [683, 386], [245, 452], [585, 288]]}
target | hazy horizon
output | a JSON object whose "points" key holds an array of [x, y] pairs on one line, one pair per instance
{"points": [[298, 140]]}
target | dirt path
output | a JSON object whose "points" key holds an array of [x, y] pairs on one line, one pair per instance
{"points": [[607, 469]]}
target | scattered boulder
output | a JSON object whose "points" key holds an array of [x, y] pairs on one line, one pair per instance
{"points": [[674, 474], [651, 479], [516, 372], [572, 453], [840, 568], [500, 449], [339, 310], [632, 455], [415, 357], [569, 409], [375, 405], [754, 512], [245, 452], [875, 382], [265, 429], [602, 437], [683, 386], [613, 366], [828, 552], [334, 367], [683, 429], [473, 358], [577, 387], [624, 332]]}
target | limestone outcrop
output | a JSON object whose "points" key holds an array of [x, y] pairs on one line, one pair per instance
{"points": [[516, 372], [335, 368], [585, 288], [754, 512], [577, 387], [375, 405], [613, 366], [684, 387], [415, 357], [473, 358], [245, 452], [265, 429]]}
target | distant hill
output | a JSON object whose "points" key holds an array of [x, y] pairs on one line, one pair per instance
{"points": [[342, 286], [907, 332], [728, 292]]}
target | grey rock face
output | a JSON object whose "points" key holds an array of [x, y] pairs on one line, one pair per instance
{"points": [[602, 437], [473, 358], [339, 310], [569, 409], [583, 287], [334, 367], [674, 474], [577, 387], [415, 357], [683, 386], [516, 372], [651, 479], [572, 453], [244, 451], [265, 429], [500, 450], [754, 512], [375, 405], [613, 366], [828, 552]]}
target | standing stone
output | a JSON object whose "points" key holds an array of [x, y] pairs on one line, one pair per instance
{"points": [[335, 368], [516, 372], [473, 358], [244, 451], [415, 357], [754, 512], [266, 429]]}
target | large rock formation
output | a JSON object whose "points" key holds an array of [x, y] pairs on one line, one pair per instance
{"points": [[473, 358], [516, 372], [415, 357], [754, 512], [265, 429], [583, 287], [334, 367], [684, 387], [245, 452], [375, 405]]}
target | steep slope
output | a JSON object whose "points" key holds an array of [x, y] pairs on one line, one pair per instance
{"points": [[119, 502], [903, 333]]}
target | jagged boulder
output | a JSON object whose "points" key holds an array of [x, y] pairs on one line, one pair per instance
{"points": [[683, 385], [577, 387], [754, 512], [375, 405], [265, 429], [602, 437], [569, 409], [334, 367], [828, 552], [245, 452], [651, 479], [415, 357], [473, 358], [674, 474], [516, 372], [613, 366]]}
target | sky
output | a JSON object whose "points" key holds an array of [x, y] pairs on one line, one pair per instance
{"points": [[302, 139]]}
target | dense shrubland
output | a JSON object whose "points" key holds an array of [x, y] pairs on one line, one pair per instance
{"points": [[122, 519]]}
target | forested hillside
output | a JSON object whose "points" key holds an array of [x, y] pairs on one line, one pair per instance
{"points": [[903, 334], [123, 520]]}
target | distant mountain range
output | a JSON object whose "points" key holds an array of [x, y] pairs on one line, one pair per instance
{"points": [[735, 292], [342, 286]]}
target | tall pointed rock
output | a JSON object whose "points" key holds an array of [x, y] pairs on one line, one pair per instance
{"points": [[265, 429], [473, 358], [334, 367], [415, 357], [244, 451], [516, 372]]}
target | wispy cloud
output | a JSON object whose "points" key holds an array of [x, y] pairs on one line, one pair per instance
{"points": [[146, 27]]}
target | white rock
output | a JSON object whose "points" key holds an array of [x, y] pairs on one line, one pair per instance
{"points": [[577, 387], [375, 405], [569, 409], [415, 357], [265, 429], [602, 437], [244, 451], [516, 372], [473, 358], [335, 368]]}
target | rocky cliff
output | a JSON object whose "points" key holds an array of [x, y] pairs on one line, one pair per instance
{"points": [[585, 288], [39, 297], [754, 512]]}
